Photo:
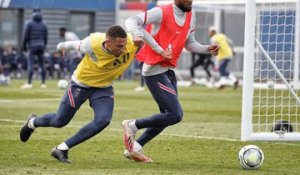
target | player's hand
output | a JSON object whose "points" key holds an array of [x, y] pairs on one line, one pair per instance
{"points": [[214, 49], [167, 54], [62, 52], [138, 41], [60, 49]]}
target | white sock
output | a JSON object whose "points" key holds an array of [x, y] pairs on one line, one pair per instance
{"points": [[136, 147], [63, 146], [30, 123], [232, 78], [223, 80], [132, 125]]}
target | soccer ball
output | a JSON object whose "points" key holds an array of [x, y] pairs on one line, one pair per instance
{"points": [[62, 84], [251, 157]]}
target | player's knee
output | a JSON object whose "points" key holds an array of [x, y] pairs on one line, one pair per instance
{"points": [[103, 123], [177, 117], [59, 123]]}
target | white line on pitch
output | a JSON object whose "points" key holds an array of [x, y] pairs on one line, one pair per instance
{"points": [[173, 135], [120, 130]]}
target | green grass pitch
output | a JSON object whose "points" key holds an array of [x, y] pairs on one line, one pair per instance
{"points": [[205, 142]]}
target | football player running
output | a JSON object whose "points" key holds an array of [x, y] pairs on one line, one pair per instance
{"points": [[173, 30], [107, 55]]}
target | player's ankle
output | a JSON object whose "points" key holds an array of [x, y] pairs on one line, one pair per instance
{"points": [[31, 123], [132, 125], [137, 147]]}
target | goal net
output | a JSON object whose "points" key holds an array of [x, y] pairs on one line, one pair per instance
{"points": [[271, 88]]}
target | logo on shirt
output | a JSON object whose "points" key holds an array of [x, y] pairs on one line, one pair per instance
{"points": [[121, 60]]}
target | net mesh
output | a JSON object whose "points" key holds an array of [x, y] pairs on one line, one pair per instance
{"points": [[272, 101]]}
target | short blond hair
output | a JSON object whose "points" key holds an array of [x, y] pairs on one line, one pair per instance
{"points": [[212, 28]]}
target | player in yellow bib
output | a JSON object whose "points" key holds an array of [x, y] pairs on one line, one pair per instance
{"points": [[99, 68], [224, 57], [107, 55]]}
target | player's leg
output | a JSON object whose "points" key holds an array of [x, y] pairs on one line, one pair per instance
{"points": [[142, 80], [148, 135], [60, 119], [223, 81], [226, 77], [206, 63], [73, 98], [223, 68], [71, 101], [63, 116], [232, 80], [191, 67], [195, 64], [102, 102], [40, 55], [57, 120], [30, 65], [164, 90]]}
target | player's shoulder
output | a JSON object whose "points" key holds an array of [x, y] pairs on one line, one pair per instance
{"points": [[97, 37], [221, 35], [98, 34]]}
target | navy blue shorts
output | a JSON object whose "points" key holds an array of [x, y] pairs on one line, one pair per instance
{"points": [[76, 95]]}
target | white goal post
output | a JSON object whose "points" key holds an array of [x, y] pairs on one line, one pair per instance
{"points": [[271, 87]]}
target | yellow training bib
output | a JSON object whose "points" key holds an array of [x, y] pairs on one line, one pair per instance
{"points": [[99, 68]]}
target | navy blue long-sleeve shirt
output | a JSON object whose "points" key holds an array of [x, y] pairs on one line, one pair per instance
{"points": [[36, 33]]}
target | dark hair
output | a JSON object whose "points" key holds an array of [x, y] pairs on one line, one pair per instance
{"points": [[63, 29], [116, 32], [36, 10]]}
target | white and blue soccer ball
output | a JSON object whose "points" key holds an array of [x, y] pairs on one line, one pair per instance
{"points": [[251, 157], [62, 84]]}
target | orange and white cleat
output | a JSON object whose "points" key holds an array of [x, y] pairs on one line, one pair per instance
{"points": [[128, 135], [139, 156], [127, 154]]}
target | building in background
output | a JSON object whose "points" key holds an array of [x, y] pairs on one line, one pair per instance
{"points": [[96, 15], [82, 18]]}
